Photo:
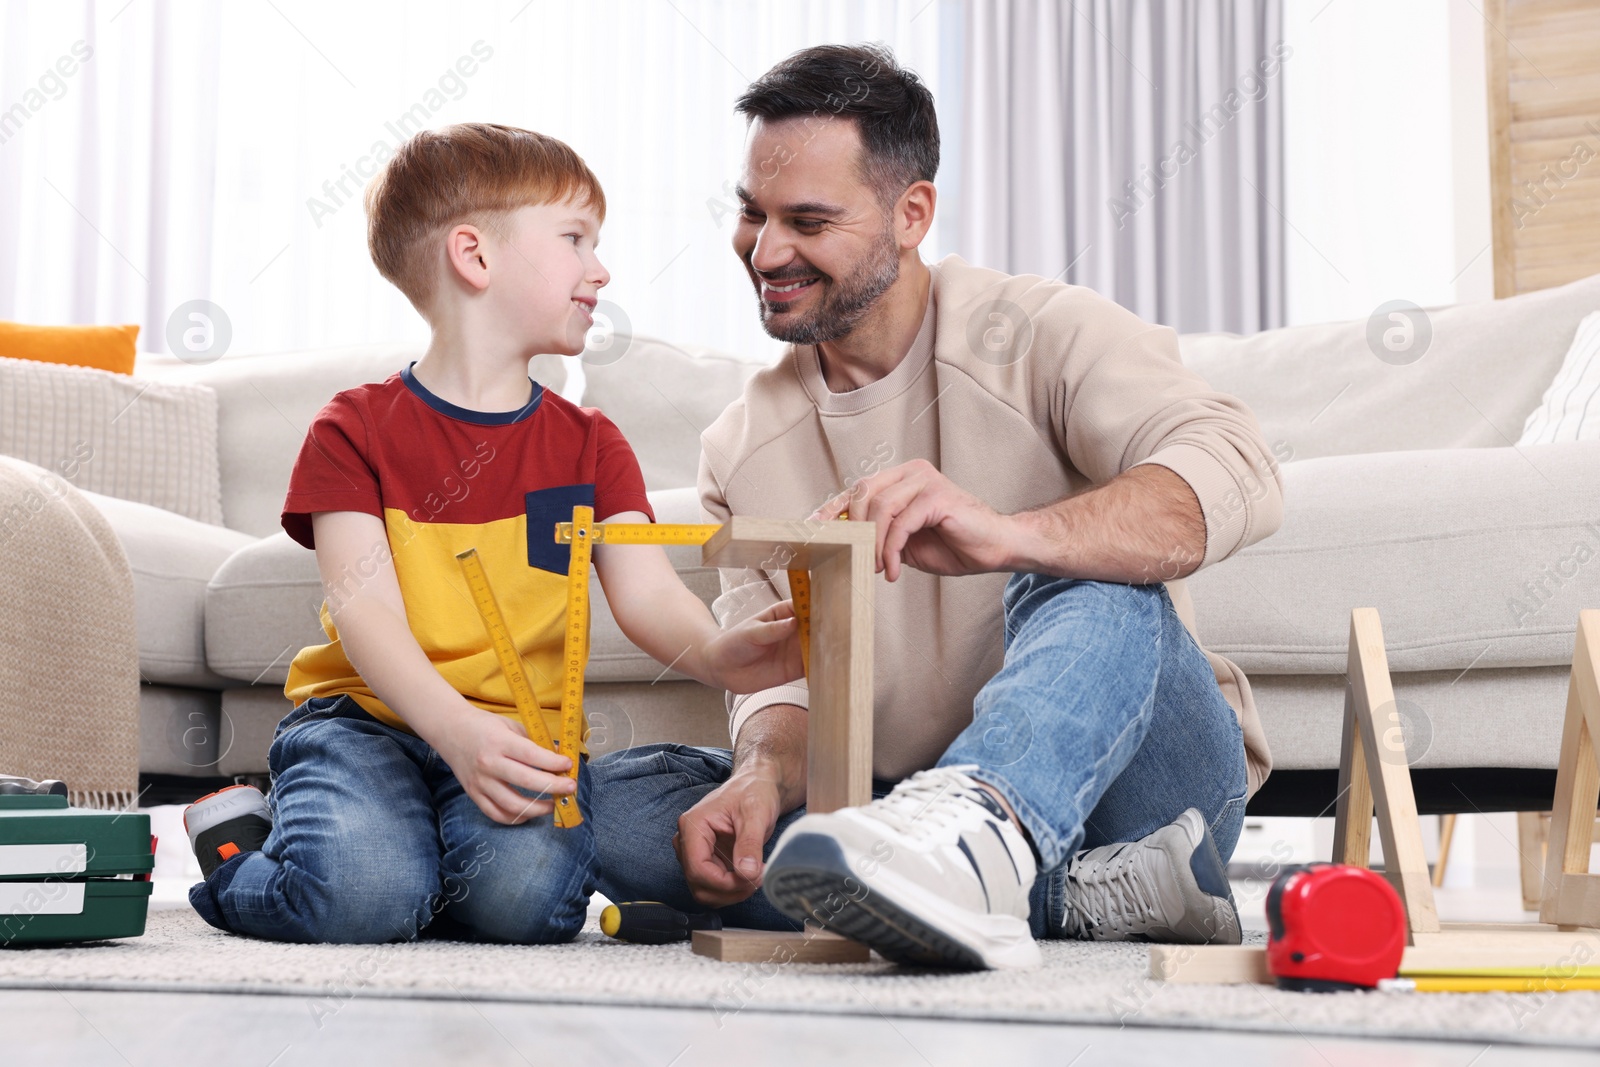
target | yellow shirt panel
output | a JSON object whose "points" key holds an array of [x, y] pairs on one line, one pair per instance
{"points": [[444, 619]]}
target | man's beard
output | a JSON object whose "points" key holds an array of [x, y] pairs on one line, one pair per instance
{"points": [[845, 302]]}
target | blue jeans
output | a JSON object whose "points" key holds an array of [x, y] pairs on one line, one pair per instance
{"points": [[1104, 723], [373, 839]]}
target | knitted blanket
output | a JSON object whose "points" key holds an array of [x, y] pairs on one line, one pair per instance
{"points": [[69, 656]]}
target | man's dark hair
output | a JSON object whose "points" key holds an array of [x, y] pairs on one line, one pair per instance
{"points": [[891, 107]]}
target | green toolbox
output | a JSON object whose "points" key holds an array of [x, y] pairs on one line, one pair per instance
{"points": [[71, 874]]}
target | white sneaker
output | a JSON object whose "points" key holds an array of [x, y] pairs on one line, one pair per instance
{"points": [[1170, 886], [934, 874]]}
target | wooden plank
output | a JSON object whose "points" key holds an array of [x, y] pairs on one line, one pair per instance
{"points": [[1568, 159], [1352, 822], [1399, 829], [1538, 18], [767, 946], [1574, 241], [1562, 208], [1447, 832], [1463, 947], [1502, 219], [1558, 56], [1531, 257], [1533, 830], [1450, 949], [1572, 896], [1531, 278], [1212, 964], [1535, 98], [782, 544], [839, 737], [1559, 133]]}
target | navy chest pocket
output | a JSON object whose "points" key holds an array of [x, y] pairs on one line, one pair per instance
{"points": [[545, 508]]}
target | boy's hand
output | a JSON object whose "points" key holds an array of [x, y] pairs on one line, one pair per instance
{"points": [[759, 653], [490, 754]]}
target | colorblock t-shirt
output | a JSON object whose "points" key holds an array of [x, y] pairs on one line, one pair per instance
{"points": [[444, 479]]}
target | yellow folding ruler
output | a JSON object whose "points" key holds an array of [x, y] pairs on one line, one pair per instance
{"points": [[566, 810], [582, 533]]}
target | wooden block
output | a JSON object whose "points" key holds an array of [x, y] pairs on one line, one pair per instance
{"points": [[1214, 964], [767, 946], [1575, 903]]}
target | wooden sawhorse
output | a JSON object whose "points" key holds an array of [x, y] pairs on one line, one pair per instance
{"points": [[1375, 778]]}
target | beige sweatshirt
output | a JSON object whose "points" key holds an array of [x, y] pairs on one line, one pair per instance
{"points": [[1022, 391]]}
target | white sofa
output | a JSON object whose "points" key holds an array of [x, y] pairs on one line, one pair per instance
{"points": [[1401, 494]]}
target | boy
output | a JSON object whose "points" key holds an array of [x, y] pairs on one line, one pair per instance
{"points": [[405, 792]]}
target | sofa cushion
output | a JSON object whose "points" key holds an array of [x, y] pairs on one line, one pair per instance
{"points": [[1321, 391], [1569, 411], [1485, 717], [262, 607], [110, 348], [1473, 558], [662, 397], [151, 442], [173, 558], [266, 403]]}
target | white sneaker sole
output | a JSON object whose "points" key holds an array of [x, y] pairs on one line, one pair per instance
{"points": [[809, 878], [216, 808]]}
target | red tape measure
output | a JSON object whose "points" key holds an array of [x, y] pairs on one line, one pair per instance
{"points": [[1332, 927]]}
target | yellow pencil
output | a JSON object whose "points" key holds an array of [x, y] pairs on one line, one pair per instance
{"points": [[1482, 983]]}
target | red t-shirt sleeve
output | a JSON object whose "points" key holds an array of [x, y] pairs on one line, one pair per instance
{"points": [[333, 471], [618, 482]]}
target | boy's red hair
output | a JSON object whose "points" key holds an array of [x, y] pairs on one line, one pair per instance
{"points": [[474, 172]]}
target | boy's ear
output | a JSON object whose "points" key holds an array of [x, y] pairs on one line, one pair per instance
{"points": [[465, 249]]}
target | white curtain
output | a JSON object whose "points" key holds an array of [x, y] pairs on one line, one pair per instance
{"points": [[1135, 148], [211, 151]]}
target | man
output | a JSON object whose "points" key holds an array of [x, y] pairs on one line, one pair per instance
{"points": [[1054, 754]]}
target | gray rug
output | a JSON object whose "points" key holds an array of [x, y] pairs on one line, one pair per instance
{"points": [[1080, 983]]}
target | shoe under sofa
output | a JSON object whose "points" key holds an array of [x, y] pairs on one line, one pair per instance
{"points": [[1402, 493]]}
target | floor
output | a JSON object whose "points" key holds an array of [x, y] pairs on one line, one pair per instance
{"points": [[65, 1029], [169, 1030]]}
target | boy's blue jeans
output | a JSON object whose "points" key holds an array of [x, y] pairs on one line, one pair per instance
{"points": [[373, 839], [1104, 723]]}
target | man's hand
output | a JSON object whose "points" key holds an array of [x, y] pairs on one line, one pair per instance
{"points": [[927, 521], [490, 754], [720, 840]]}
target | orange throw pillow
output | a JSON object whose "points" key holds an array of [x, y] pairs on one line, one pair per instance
{"points": [[103, 347]]}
